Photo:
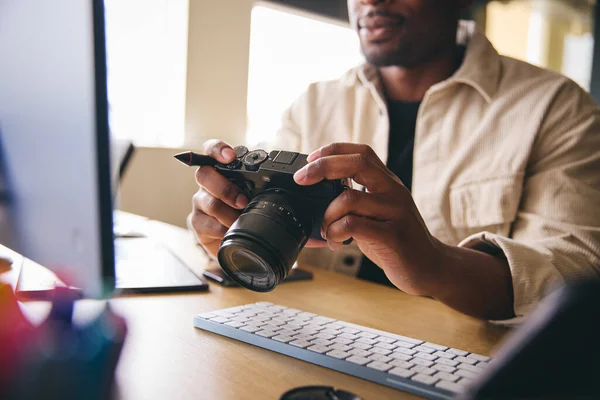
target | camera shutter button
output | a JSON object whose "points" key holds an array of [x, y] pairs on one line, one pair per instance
{"points": [[253, 159]]}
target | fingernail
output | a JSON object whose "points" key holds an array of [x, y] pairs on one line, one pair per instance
{"points": [[241, 201], [228, 154], [314, 155], [323, 234], [299, 176]]}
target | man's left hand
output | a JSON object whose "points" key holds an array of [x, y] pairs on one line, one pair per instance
{"points": [[383, 220]]}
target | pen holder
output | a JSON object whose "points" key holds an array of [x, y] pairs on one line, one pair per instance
{"points": [[57, 359]]}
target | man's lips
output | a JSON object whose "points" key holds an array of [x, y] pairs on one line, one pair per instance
{"points": [[377, 27], [379, 22]]}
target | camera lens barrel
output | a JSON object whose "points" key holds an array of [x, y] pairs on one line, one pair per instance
{"points": [[261, 246]]}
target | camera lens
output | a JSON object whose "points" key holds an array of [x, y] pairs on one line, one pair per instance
{"points": [[261, 246]]}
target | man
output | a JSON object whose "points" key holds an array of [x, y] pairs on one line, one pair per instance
{"points": [[482, 173]]}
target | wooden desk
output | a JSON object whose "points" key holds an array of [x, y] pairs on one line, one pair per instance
{"points": [[165, 357]]}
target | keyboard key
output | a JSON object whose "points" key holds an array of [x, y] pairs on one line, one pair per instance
{"points": [[465, 382], [406, 345], [424, 349], [300, 343], [478, 357], [250, 328], [407, 339], [292, 327], [482, 365], [331, 331], [469, 367], [435, 346], [465, 374], [444, 354], [267, 334], [402, 364], [304, 337], [384, 345], [385, 339], [359, 352], [219, 320], [450, 386], [224, 314], [359, 345], [447, 376], [329, 337], [419, 369], [351, 331], [426, 356], [339, 354], [443, 368], [404, 351], [318, 348], [358, 359], [446, 361], [207, 315], [366, 341], [379, 350], [322, 342], [420, 361], [401, 356], [380, 358], [466, 360], [402, 372], [323, 319], [283, 338], [458, 352], [341, 347], [380, 366], [286, 332], [234, 324], [348, 336], [367, 335], [342, 341], [426, 379]]}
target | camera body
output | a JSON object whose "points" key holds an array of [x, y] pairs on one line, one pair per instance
{"points": [[257, 172]]}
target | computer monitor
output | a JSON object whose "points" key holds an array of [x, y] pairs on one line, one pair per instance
{"points": [[54, 140]]}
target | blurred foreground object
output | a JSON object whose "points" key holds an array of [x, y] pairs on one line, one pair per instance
{"points": [[57, 359]]}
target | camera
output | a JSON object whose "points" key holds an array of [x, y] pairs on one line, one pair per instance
{"points": [[261, 246]]}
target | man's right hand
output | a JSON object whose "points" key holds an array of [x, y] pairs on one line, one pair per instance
{"points": [[218, 202]]}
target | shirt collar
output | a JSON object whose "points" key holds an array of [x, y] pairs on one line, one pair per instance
{"points": [[480, 68]]}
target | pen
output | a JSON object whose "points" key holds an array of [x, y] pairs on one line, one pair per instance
{"points": [[190, 158]]}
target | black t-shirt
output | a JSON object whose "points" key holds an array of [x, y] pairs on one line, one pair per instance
{"points": [[403, 121]]}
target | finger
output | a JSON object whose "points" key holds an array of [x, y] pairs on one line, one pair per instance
{"points": [[314, 243], [221, 187], [212, 247], [207, 228], [214, 207], [354, 226], [359, 167], [363, 204], [343, 148], [219, 150]]}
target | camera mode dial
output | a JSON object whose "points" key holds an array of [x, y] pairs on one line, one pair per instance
{"points": [[253, 159]]}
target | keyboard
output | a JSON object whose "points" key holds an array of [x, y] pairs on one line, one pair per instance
{"points": [[426, 369]]}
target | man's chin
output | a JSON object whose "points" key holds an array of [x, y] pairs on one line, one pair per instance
{"points": [[385, 56]]}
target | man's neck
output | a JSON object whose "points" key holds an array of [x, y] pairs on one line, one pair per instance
{"points": [[410, 84]]}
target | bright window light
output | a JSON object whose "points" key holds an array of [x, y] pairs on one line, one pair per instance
{"points": [[289, 51], [146, 57]]}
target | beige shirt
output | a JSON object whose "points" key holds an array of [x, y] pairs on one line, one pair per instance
{"points": [[506, 160]]}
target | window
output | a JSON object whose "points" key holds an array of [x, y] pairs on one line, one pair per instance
{"points": [[555, 34], [288, 51], [146, 57]]}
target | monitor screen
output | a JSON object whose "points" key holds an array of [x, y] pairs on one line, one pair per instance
{"points": [[54, 145]]}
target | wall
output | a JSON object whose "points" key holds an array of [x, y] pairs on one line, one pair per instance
{"points": [[217, 70], [156, 185]]}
